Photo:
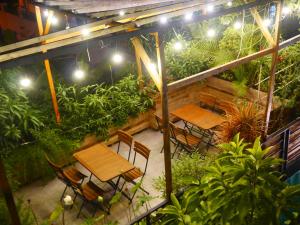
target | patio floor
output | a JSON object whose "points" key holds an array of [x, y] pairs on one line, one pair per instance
{"points": [[44, 197]]}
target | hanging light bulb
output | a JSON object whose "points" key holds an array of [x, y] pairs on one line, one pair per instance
{"points": [[211, 33], [210, 8], [153, 67], [163, 20], [237, 25], [54, 20], [188, 16], [178, 46], [25, 82], [267, 22], [117, 58], [121, 13], [85, 32], [229, 3], [79, 74], [46, 13], [286, 10]]}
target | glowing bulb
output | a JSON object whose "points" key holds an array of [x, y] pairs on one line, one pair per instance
{"points": [[237, 25], [211, 33], [85, 32], [178, 46], [210, 8], [286, 10], [46, 13], [267, 22], [188, 16], [79, 74], [121, 13], [153, 67], [25, 82], [117, 58], [163, 20], [54, 20], [229, 3]]}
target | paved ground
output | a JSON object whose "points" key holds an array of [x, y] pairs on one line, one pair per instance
{"points": [[45, 196]]}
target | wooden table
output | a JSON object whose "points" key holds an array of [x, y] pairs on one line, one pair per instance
{"points": [[198, 116], [103, 162]]}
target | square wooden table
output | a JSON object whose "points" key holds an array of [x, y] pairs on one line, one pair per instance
{"points": [[103, 162], [198, 116]]}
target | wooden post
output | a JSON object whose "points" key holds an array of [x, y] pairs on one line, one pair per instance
{"points": [[6, 190], [165, 117], [139, 69], [45, 31], [155, 34], [273, 68]]}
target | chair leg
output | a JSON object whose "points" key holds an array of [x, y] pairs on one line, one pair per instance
{"points": [[61, 198], [119, 147], [162, 149], [80, 209], [175, 151]]}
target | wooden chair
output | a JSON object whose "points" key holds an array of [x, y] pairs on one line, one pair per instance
{"points": [[160, 127], [90, 193], [184, 139], [68, 174], [126, 139], [136, 173]]}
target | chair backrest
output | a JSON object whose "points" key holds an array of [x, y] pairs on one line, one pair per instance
{"points": [[141, 150], [125, 137], [175, 131], [159, 123], [56, 168]]}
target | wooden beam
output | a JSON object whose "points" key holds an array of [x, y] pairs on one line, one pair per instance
{"points": [[219, 69], [8, 195], [262, 27], [40, 28], [155, 34], [141, 53], [165, 118], [273, 68]]}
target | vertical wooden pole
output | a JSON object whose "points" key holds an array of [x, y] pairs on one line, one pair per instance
{"points": [[6, 190], [165, 117], [139, 69], [45, 31], [155, 34], [273, 68]]}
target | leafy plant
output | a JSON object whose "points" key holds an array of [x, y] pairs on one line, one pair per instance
{"points": [[242, 186]]}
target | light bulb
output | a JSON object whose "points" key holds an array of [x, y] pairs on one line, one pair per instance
{"points": [[229, 3], [211, 33], [117, 58], [286, 10], [46, 13], [79, 74], [163, 20], [25, 82], [210, 8], [153, 67], [121, 13], [188, 16], [178, 46], [54, 20], [237, 25], [85, 32]]}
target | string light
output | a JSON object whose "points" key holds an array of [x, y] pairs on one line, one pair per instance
{"points": [[163, 20], [54, 20], [267, 22], [25, 82], [117, 58], [286, 10], [85, 32], [121, 13], [46, 13], [210, 8], [237, 25], [188, 16], [79, 74], [153, 67], [211, 33], [178, 46], [229, 3]]}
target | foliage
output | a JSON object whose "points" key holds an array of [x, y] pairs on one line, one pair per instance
{"points": [[245, 119], [96, 108], [182, 173], [242, 186]]}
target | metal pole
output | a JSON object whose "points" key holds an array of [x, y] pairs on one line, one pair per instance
{"points": [[165, 117], [6, 190]]}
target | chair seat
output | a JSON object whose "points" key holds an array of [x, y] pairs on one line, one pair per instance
{"points": [[91, 191], [73, 174], [189, 139], [132, 174]]}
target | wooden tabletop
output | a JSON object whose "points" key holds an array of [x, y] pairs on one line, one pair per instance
{"points": [[103, 162], [198, 116]]}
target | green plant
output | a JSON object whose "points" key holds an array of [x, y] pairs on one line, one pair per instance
{"points": [[242, 186], [182, 174]]}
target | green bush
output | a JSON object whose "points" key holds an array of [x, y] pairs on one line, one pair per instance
{"points": [[242, 186]]}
